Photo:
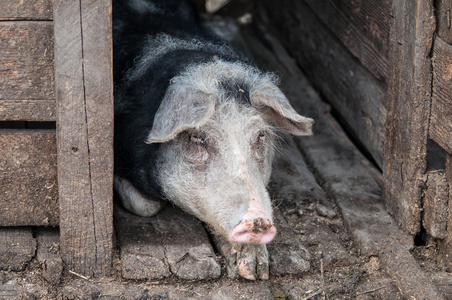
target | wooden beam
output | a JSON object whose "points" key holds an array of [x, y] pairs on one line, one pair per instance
{"points": [[443, 9], [84, 93], [26, 61], [26, 10], [441, 111], [408, 103], [28, 110], [28, 178]]}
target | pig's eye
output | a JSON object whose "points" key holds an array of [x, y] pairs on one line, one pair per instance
{"points": [[261, 137], [198, 141]]}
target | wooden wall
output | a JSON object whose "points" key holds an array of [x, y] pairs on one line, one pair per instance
{"points": [[343, 48], [61, 177], [385, 67], [28, 171]]}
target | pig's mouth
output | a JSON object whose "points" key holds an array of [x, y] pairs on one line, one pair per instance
{"points": [[254, 231]]}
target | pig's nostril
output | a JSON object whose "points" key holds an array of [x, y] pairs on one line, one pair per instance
{"points": [[260, 225]]}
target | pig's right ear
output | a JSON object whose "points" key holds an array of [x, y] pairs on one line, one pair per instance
{"points": [[182, 108]]}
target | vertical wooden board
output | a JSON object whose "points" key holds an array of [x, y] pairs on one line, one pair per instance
{"points": [[412, 29], [352, 90], [26, 61], [98, 84], [26, 10], [443, 9], [362, 26], [436, 200], [441, 111], [48, 254], [446, 245], [86, 216], [28, 178]]}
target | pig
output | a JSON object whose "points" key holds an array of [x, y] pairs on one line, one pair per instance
{"points": [[196, 124]]}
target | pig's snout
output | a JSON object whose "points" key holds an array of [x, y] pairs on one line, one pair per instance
{"points": [[253, 231]]}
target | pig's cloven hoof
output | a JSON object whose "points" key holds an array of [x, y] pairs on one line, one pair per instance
{"points": [[251, 261]]}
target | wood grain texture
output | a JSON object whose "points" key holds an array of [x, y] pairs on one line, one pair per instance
{"points": [[28, 110], [17, 248], [362, 26], [84, 93], [170, 243], [28, 178], [443, 10], [26, 61], [48, 254], [346, 178], [26, 10], [445, 246], [435, 205], [408, 104], [441, 111], [352, 90]]}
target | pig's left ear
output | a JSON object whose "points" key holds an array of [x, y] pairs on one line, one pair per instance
{"points": [[278, 111], [182, 108]]}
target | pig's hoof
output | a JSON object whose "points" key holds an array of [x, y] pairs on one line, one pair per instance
{"points": [[251, 261], [134, 201]]}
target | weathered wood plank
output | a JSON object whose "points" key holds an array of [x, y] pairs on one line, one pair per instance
{"points": [[84, 133], [26, 10], [26, 63], [362, 26], [443, 9], [353, 91], [48, 254], [436, 200], [17, 248], [293, 184], [170, 243], [408, 110], [339, 165], [27, 110], [28, 178], [441, 110], [287, 252], [446, 245]]}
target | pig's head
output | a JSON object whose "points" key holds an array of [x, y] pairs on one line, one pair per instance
{"points": [[218, 124]]}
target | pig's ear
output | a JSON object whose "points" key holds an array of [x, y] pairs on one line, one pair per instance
{"points": [[182, 108], [278, 111]]}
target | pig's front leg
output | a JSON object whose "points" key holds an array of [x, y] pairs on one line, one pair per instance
{"points": [[134, 201], [249, 261]]}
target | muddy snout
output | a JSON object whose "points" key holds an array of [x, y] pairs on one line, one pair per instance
{"points": [[257, 230]]}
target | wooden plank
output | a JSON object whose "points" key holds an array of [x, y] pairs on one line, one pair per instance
{"points": [[443, 9], [441, 110], [408, 105], [353, 91], [26, 63], [338, 164], [445, 246], [362, 26], [83, 71], [26, 10], [28, 178], [170, 243], [17, 248], [435, 206], [292, 184], [27, 110], [48, 254]]}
